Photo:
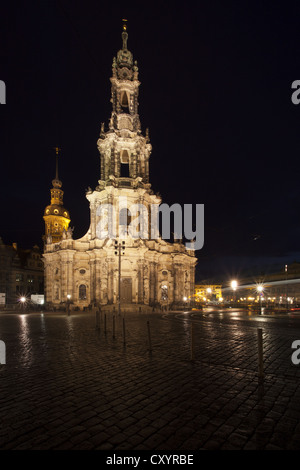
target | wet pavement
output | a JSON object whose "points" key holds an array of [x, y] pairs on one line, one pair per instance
{"points": [[174, 381]]}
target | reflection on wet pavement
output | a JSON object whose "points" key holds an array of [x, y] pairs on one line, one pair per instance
{"points": [[68, 384]]}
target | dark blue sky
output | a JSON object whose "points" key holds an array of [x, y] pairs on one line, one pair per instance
{"points": [[215, 93]]}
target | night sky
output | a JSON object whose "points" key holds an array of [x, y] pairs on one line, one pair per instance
{"points": [[215, 93]]}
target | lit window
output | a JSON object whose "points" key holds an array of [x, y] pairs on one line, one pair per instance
{"points": [[164, 292]]}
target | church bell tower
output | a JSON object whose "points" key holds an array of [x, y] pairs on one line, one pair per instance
{"points": [[56, 217], [124, 150], [149, 271]]}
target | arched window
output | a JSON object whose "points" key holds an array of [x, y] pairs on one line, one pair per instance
{"points": [[82, 292], [164, 292], [124, 218], [124, 101], [124, 158]]}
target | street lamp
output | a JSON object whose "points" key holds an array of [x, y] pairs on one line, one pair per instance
{"points": [[234, 286], [260, 289], [23, 301], [68, 303]]}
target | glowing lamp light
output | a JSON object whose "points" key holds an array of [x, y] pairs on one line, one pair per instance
{"points": [[234, 284], [185, 299], [23, 299]]}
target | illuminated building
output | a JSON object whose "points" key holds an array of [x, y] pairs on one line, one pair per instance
{"points": [[21, 273], [208, 293], [280, 288], [56, 217], [86, 270]]}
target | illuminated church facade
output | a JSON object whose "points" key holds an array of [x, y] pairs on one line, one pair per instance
{"points": [[93, 270]]}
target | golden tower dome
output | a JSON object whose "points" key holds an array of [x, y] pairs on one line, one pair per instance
{"points": [[56, 217]]}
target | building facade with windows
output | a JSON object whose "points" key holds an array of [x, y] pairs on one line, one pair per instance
{"points": [[119, 258], [279, 288], [21, 273], [208, 293]]}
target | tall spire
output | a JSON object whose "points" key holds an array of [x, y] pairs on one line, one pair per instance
{"points": [[124, 151], [56, 182], [56, 217], [124, 56], [124, 34], [57, 150]]}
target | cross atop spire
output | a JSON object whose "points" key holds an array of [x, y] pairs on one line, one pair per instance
{"points": [[124, 56]]}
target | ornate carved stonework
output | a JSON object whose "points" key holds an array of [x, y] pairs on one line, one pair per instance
{"points": [[152, 271]]}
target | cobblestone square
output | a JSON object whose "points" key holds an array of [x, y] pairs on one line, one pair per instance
{"points": [[69, 385]]}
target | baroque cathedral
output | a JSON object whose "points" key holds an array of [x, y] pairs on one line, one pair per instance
{"points": [[99, 269]]}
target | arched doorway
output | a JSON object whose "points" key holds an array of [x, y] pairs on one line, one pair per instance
{"points": [[126, 290], [82, 292]]}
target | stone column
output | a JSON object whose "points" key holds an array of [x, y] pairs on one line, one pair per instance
{"points": [[156, 287], [102, 281], [192, 282], [147, 170], [112, 162], [135, 169], [48, 282], [102, 163], [177, 282], [146, 284], [111, 227], [92, 281], [118, 165], [93, 219], [140, 281], [64, 285], [110, 283], [138, 168], [151, 283], [70, 280]]}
